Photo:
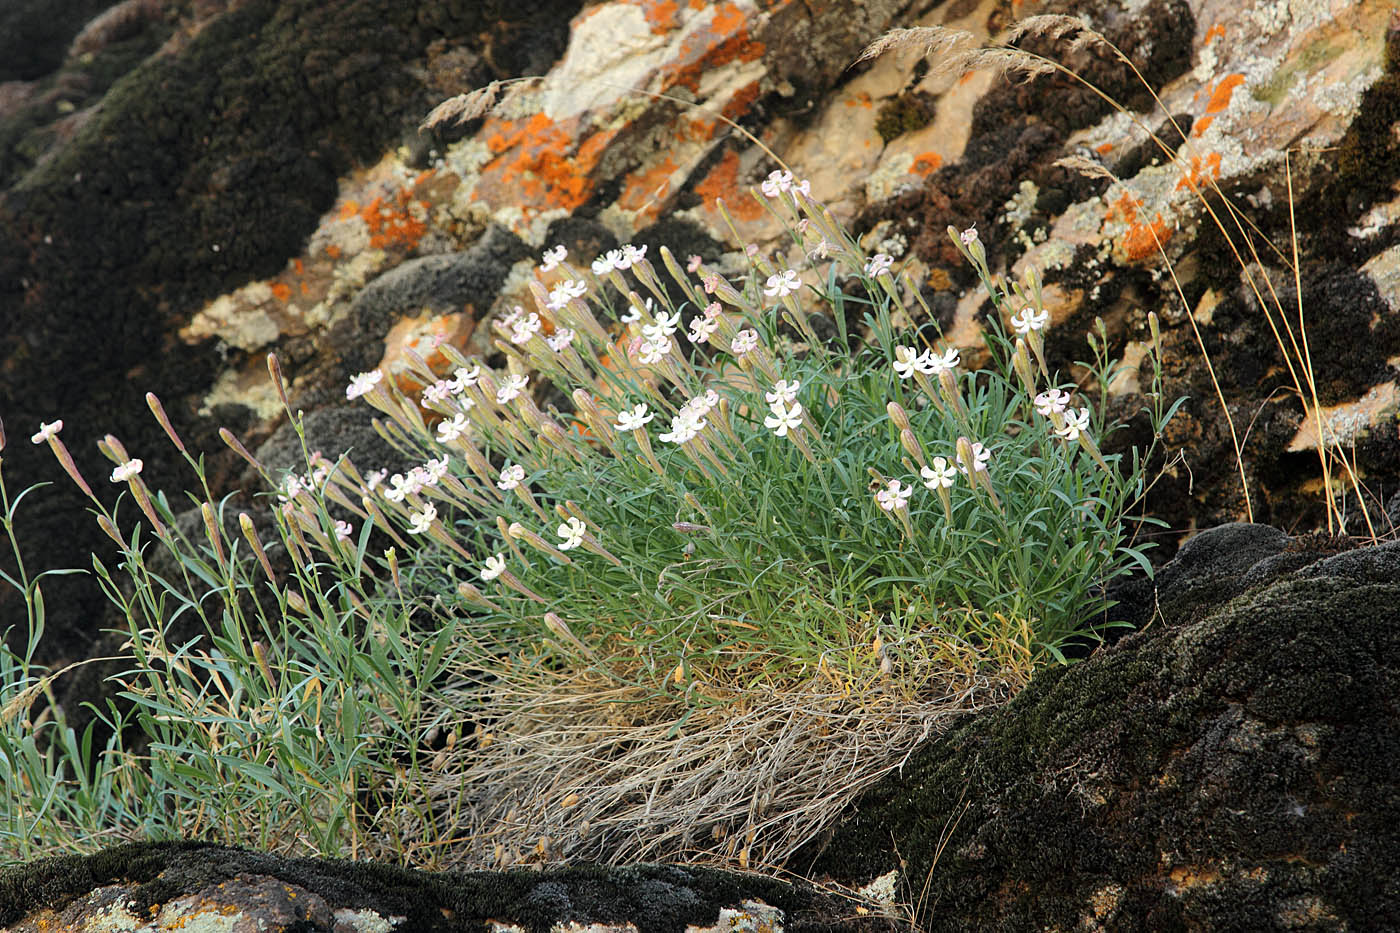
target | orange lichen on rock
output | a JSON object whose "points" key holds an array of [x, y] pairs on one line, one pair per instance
{"points": [[740, 102], [281, 291], [540, 164], [1141, 239], [727, 40], [394, 220], [927, 162], [1104, 148], [1219, 100], [662, 15], [1215, 32], [425, 334], [1202, 172], [723, 182]]}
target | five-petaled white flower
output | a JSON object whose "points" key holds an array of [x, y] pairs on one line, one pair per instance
{"points": [[126, 471], [552, 257], [495, 566], [465, 378], [47, 431], [511, 477], [343, 529], [932, 364], [894, 496], [434, 470], [401, 486], [877, 264], [969, 236], [784, 419], [420, 522], [572, 533], [782, 284], [607, 262], [702, 328], [631, 255], [668, 322], [783, 391], [437, 392], [510, 389], [525, 328], [701, 405], [745, 341], [1076, 423], [653, 350], [980, 456], [362, 384], [1050, 401], [562, 293], [776, 183], [560, 339], [633, 420], [1028, 319], [941, 474], [906, 360], [684, 427]]}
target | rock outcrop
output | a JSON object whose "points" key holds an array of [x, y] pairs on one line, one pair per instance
{"points": [[1229, 766]]}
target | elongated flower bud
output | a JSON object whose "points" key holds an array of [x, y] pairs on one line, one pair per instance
{"points": [[153, 403], [533, 539], [475, 597], [274, 369], [237, 447], [212, 529], [251, 535], [911, 444]]}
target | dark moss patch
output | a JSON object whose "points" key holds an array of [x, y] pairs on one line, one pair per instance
{"points": [[1215, 771], [906, 113]]}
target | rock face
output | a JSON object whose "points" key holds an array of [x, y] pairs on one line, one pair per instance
{"points": [[193, 886], [1230, 766]]}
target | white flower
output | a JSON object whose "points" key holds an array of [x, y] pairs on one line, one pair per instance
{"points": [[1028, 319], [437, 392], [1050, 401], [653, 350], [894, 496], [906, 360], [609, 261], [633, 313], [434, 470], [465, 378], [560, 339], [940, 475], [552, 257], [631, 255], [513, 315], [934, 363], [980, 456], [776, 183], [362, 383], [701, 329], [634, 419], [511, 477], [877, 264], [562, 293], [682, 430], [525, 328], [782, 284], [822, 250], [47, 431], [510, 390], [1076, 423], [700, 405], [969, 236], [572, 533], [343, 529], [784, 419], [292, 485], [668, 322], [495, 566], [375, 478], [803, 187], [451, 429], [745, 341], [783, 391], [126, 471], [400, 486], [420, 522]]}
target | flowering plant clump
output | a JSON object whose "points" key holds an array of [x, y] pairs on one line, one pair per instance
{"points": [[865, 523]]}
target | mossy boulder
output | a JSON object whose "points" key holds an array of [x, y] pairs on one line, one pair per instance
{"points": [[1229, 766]]}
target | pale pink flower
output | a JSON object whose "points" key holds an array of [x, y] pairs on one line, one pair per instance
{"points": [[894, 496], [511, 389], [782, 284], [745, 341], [877, 264], [363, 384], [1050, 401], [511, 476], [126, 471], [552, 257], [47, 431]]}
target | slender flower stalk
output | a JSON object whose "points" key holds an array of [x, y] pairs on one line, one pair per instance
{"points": [[521, 533]]}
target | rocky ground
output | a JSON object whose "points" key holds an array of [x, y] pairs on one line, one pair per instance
{"points": [[189, 185]]}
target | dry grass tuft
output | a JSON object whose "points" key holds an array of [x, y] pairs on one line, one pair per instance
{"points": [[586, 770]]}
